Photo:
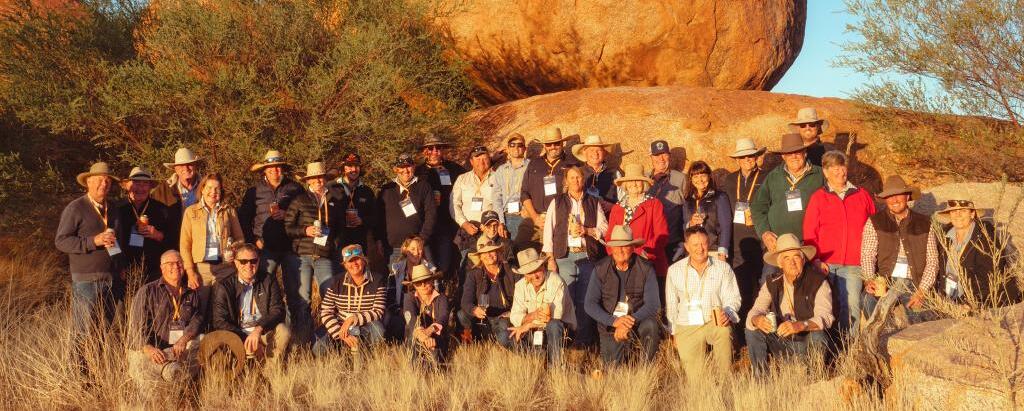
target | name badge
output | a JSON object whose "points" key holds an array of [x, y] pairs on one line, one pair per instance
{"points": [[538, 337], [575, 242], [739, 216], [902, 268], [114, 249], [952, 288], [694, 313], [512, 206], [175, 334], [446, 179], [212, 253], [136, 239], [476, 204], [793, 200], [408, 208], [621, 309], [321, 240], [550, 186]]}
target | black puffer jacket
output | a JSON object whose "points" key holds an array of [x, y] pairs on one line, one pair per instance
{"points": [[224, 310], [302, 212], [254, 213]]}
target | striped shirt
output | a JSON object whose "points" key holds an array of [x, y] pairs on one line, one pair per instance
{"points": [[344, 299]]}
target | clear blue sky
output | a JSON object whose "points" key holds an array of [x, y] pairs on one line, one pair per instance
{"points": [[812, 74]]}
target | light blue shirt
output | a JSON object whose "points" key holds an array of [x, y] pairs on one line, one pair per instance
{"points": [[212, 235], [250, 314], [508, 182]]}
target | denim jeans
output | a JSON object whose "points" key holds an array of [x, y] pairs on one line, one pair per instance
{"points": [[575, 270], [512, 222], [92, 303], [370, 335], [298, 286], [904, 288], [759, 345], [847, 285], [646, 333], [554, 333], [271, 260], [443, 250], [496, 327]]}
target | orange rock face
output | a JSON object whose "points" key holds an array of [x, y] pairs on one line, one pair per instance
{"points": [[523, 48]]}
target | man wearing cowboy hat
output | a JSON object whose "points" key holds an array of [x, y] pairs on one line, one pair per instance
{"points": [[441, 174], [542, 309], [809, 126], [740, 186], [356, 201], [144, 222], [312, 222], [406, 206], [426, 314], [544, 179], [598, 179], [792, 310], [974, 257], [779, 204], [87, 234], [623, 298], [487, 295], [508, 184], [669, 186], [353, 306], [164, 327], [262, 211], [179, 191], [900, 246]]}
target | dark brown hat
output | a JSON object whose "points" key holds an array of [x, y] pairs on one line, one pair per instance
{"points": [[791, 143], [894, 185]]}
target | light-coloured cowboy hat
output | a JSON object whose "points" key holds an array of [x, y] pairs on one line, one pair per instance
{"points": [[957, 204], [529, 261], [808, 115], [140, 174], [894, 185], [420, 273], [589, 141], [96, 169], [183, 157], [622, 236], [788, 242], [746, 147], [486, 245], [633, 172], [314, 169], [552, 135], [271, 159], [791, 142], [226, 342]]}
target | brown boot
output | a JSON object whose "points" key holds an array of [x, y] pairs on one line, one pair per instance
{"points": [[466, 337]]}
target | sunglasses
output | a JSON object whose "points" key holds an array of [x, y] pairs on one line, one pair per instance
{"points": [[432, 148], [355, 252], [747, 157], [960, 203], [516, 145], [248, 261], [552, 144], [807, 125]]}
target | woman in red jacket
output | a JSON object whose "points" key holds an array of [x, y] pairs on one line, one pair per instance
{"points": [[644, 214], [834, 225]]}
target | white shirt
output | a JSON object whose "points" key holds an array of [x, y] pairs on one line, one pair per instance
{"points": [[717, 287], [467, 187], [549, 223], [528, 299]]}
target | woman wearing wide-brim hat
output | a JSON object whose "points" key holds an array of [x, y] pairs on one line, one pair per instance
{"points": [[426, 311], [973, 258], [644, 214]]}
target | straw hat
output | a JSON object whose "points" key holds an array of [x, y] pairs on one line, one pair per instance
{"points": [[808, 115], [552, 135], [226, 342], [271, 159], [529, 261], [746, 147], [622, 236], [314, 169], [486, 245], [791, 142], [420, 273], [140, 174], [183, 157], [957, 204], [96, 169], [788, 242], [894, 185], [633, 172], [590, 141]]}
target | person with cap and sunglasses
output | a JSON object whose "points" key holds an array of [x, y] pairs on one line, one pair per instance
{"points": [[352, 307], [145, 222], [792, 310], [974, 259], [263, 208], [669, 187], [508, 184], [87, 233], [487, 296], [441, 174], [740, 186], [810, 127], [542, 309], [312, 221], [406, 206], [180, 190], [598, 178], [426, 315], [544, 179], [490, 229], [780, 203], [357, 200], [899, 251], [623, 298]]}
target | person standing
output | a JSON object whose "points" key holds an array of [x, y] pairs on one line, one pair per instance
{"points": [[144, 224], [669, 187], [356, 200], [544, 179], [508, 184], [407, 207], [598, 178], [263, 210], [180, 191], [708, 207], [810, 127], [441, 174], [644, 216], [472, 195], [740, 186], [208, 230]]}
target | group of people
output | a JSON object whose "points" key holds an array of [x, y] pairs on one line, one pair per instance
{"points": [[535, 254]]}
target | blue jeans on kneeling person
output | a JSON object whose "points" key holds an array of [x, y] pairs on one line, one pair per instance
{"points": [[494, 326], [647, 333], [759, 345], [553, 342], [369, 334], [575, 271]]}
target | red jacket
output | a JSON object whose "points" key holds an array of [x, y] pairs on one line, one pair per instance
{"points": [[649, 224], [835, 226]]}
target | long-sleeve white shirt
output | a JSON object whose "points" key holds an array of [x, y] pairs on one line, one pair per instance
{"points": [[715, 287], [528, 299], [467, 187], [549, 223]]}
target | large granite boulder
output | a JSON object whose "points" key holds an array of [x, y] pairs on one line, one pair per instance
{"points": [[517, 49]]}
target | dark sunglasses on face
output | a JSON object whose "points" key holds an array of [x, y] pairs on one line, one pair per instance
{"points": [[807, 125], [248, 261], [960, 203], [432, 148], [552, 144]]}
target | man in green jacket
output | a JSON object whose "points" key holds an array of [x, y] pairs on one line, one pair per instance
{"points": [[778, 208]]}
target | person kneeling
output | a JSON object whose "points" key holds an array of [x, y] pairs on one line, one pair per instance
{"points": [[792, 309], [352, 307], [486, 295], [426, 314], [541, 307]]}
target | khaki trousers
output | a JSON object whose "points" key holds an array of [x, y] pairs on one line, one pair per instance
{"points": [[692, 343]]}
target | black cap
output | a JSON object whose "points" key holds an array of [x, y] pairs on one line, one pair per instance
{"points": [[478, 150], [659, 147], [351, 159], [404, 160], [488, 216]]}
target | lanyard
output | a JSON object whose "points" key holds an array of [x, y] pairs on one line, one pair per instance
{"points": [[216, 224], [551, 166], [349, 193], [582, 211], [480, 185], [792, 183], [144, 208], [176, 303], [103, 215], [322, 213], [752, 184]]}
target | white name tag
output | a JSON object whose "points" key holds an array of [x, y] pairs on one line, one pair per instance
{"points": [[575, 241], [550, 186], [476, 204], [212, 253], [408, 208], [446, 179], [114, 249], [174, 336], [793, 200], [621, 309], [513, 206], [694, 314], [538, 337], [902, 268], [740, 215], [952, 288], [321, 240], [136, 240]]}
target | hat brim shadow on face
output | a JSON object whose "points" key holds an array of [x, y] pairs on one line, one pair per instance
{"points": [[531, 267], [619, 243], [81, 178], [744, 153], [795, 124], [773, 257]]}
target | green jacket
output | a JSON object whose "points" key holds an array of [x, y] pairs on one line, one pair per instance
{"points": [[769, 206]]}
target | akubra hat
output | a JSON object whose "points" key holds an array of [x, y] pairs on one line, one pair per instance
{"points": [[957, 204], [222, 342], [432, 140], [633, 172], [589, 141], [486, 245], [791, 143], [552, 135], [96, 169], [183, 157], [140, 174], [808, 115], [314, 169], [420, 273], [622, 236], [894, 185], [746, 147], [271, 159], [513, 136], [788, 242], [529, 261]]}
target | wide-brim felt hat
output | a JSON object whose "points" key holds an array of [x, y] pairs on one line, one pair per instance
{"points": [[552, 135], [529, 261], [633, 172], [622, 236], [894, 185], [421, 273], [96, 169], [183, 157], [589, 141], [788, 242], [747, 147], [808, 115], [791, 142], [222, 342], [271, 159], [431, 140], [139, 174], [485, 245]]}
